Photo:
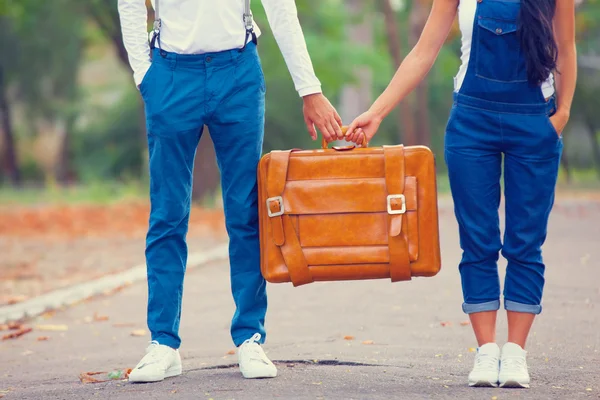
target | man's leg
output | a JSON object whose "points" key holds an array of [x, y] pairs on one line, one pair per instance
{"points": [[174, 129], [237, 126], [174, 117]]}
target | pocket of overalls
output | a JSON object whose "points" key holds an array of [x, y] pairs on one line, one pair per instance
{"points": [[555, 133], [499, 57]]}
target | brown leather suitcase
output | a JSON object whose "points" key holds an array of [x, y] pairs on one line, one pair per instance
{"points": [[348, 213]]}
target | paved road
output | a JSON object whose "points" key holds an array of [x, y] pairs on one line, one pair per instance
{"points": [[412, 356]]}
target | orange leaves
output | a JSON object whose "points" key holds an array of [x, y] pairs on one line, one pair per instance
{"points": [[129, 219], [98, 377], [17, 333]]}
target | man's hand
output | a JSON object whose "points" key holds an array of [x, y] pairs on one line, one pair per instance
{"points": [[319, 112]]}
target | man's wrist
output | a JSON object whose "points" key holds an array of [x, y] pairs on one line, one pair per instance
{"points": [[307, 91]]}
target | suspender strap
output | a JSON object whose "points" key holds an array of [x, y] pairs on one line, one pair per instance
{"points": [[248, 25], [155, 39], [284, 234], [396, 206]]}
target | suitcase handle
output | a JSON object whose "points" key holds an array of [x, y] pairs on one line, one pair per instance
{"points": [[325, 144]]}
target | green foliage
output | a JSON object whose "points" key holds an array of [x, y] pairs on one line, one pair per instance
{"points": [[111, 147], [41, 57]]}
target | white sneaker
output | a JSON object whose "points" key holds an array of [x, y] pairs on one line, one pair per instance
{"points": [[485, 370], [513, 367], [253, 360], [160, 362]]}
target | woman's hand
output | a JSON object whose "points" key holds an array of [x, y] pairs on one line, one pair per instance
{"points": [[363, 128], [559, 121]]}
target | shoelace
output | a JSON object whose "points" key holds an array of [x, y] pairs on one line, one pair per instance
{"points": [[486, 361], [253, 349], [514, 363], [154, 353]]}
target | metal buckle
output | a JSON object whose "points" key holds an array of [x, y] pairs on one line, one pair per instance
{"points": [[389, 204], [248, 22], [278, 199]]}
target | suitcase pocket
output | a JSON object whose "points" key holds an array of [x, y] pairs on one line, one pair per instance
{"points": [[351, 237]]}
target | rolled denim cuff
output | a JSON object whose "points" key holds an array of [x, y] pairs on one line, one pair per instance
{"points": [[523, 308], [481, 307]]}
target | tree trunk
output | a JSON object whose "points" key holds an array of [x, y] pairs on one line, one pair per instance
{"points": [[418, 18], [11, 165], [595, 146], [405, 116], [564, 161], [356, 98], [206, 172]]}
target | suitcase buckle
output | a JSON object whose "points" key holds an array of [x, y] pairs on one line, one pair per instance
{"points": [[279, 200], [389, 204]]}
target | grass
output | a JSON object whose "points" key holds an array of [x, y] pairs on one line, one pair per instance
{"points": [[94, 193], [112, 192]]}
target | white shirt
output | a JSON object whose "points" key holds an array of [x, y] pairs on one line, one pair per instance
{"points": [[203, 26], [466, 19]]}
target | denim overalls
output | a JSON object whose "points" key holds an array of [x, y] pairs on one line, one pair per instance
{"points": [[497, 111]]}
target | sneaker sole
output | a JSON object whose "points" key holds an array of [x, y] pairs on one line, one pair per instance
{"points": [[514, 385], [259, 376], [483, 384], [171, 372]]}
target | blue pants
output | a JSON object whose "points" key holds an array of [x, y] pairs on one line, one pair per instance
{"points": [[224, 91], [479, 132]]}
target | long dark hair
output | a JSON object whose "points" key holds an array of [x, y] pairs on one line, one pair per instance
{"points": [[537, 38]]}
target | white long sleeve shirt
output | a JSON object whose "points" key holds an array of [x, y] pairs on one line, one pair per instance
{"points": [[203, 26]]}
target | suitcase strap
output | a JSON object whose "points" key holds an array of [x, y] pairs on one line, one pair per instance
{"points": [[284, 234], [396, 205]]}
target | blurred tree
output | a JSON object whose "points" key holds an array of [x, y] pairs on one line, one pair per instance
{"points": [[405, 116], [41, 66], [9, 163]]}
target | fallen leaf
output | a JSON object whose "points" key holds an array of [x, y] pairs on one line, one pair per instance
{"points": [[173, 391], [88, 377], [100, 317], [494, 397], [446, 323], [15, 325], [123, 325], [231, 352], [48, 314], [102, 376], [348, 337], [15, 299], [317, 383], [138, 332], [16, 333], [3, 327], [52, 328], [465, 323], [367, 342], [472, 349], [27, 353], [588, 389], [42, 338]]}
